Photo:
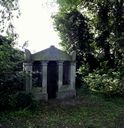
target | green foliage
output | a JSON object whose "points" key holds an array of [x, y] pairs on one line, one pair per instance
{"points": [[67, 5], [96, 33], [11, 82], [15, 101], [11, 75], [7, 102], [109, 83], [24, 100], [74, 31], [86, 111], [8, 10], [10, 59]]}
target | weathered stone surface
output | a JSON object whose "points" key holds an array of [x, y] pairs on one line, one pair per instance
{"points": [[52, 59], [73, 56], [53, 54], [66, 94], [28, 55], [73, 75], [44, 80], [60, 75], [27, 68]]}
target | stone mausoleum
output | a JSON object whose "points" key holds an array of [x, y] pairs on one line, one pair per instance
{"points": [[50, 74]]}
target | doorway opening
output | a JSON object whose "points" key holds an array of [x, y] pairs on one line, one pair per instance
{"points": [[52, 79]]}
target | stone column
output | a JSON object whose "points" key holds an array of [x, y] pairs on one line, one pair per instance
{"points": [[27, 67], [72, 75], [41, 73], [44, 77], [60, 75]]}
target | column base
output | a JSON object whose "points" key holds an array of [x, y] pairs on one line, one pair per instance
{"points": [[38, 94], [43, 97], [66, 94]]}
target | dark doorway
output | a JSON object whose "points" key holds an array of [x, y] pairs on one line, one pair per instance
{"points": [[52, 79]]}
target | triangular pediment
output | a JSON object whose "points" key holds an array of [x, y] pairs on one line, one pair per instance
{"points": [[52, 53]]}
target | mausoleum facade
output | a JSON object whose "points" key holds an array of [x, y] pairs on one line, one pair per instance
{"points": [[50, 73]]}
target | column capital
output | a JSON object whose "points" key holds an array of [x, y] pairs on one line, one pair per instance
{"points": [[73, 63], [60, 62], [27, 67], [44, 63], [27, 64]]}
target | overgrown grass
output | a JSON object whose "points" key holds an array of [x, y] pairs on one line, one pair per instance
{"points": [[85, 111]]}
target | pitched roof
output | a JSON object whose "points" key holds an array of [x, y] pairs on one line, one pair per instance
{"points": [[52, 53]]}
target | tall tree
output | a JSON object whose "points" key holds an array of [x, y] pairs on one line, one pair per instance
{"points": [[8, 10], [74, 33], [10, 59], [106, 19]]}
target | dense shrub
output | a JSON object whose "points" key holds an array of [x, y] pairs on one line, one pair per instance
{"points": [[23, 100], [110, 83], [11, 82], [11, 62], [11, 76], [7, 102], [15, 101]]}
